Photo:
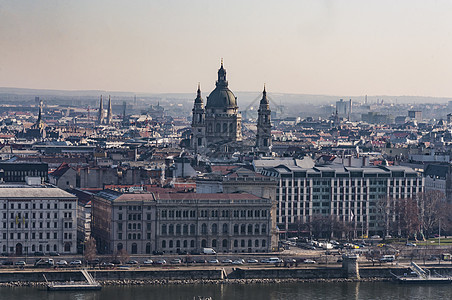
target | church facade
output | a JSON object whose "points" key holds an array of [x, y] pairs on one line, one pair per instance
{"points": [[220, 122]]}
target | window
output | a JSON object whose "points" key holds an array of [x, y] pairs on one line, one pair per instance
{"points": [[163, 244]]}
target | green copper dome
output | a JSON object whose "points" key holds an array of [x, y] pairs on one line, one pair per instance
{"points": [[221, 96]]}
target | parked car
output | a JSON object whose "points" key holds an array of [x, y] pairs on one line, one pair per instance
{"points": [[38, 253], [387, 258], [61, 263], [116, 262], [176, 261], [54, 254], [20, 263], [132, 262], [309, 261], [157, 252], [160, 262], [148, 262], [410, 244], [238, 262], [252, 261], [214, 261], [106, 265], [272, 260], [226, 261], [200, 261], [76, 262]]}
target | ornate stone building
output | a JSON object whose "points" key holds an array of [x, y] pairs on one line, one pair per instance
{"points": [[220, 121]]}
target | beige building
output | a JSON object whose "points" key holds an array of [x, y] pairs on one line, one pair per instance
{"points": [[37, 218], [181, 222]]}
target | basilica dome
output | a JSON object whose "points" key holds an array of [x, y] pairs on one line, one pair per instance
{"points": [[221, 96]]}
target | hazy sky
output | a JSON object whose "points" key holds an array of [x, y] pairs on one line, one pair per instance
{"points": [[312, 47]]}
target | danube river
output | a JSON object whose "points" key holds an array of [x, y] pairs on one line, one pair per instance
{"points": [[312, 291]]}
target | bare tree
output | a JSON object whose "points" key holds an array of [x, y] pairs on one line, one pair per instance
{"points": [[90, 249], [407, 216], [433, 208], [123, 255]]}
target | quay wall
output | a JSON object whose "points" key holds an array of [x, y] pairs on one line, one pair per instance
{"points": [[211, 274]]}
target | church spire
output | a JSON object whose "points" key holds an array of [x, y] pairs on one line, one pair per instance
{"points": [[100, 118], [198, 95], [109, 111], [264, 100], [222, 76]]}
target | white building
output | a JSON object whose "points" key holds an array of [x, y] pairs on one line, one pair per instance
{"points": [[37, 218]]}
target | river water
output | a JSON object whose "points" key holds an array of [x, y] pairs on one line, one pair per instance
{"points": [[286, 291]]}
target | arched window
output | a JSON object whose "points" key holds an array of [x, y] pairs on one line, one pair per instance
{"points": [[250, 243], [214, 243], [204, 243], [209, 127], [225, 243], [218, 127], [236, 243], [134, 248], [185, 244], [178, 229], [225, 228], [256, 243], [242, 243], [236, 228], [264, 229], [171, 243], [47, 247], [243, 229], [214, 228], [192, 229], [264, 243], [54, 247], [163, 244], [256, 229], [192, 244], [171, 229], [119, 247], [185, 229], [204, 228], [164, 229], [250, 229], [178, 244], [148, 248], [231, 129], [33, 248], [225, 127]]}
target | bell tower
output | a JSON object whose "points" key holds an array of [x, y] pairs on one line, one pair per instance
{"points": [[198, 124], [264, 126]]}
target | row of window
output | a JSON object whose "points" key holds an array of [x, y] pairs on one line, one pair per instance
{"points": [[358, 182], [237, 229], [21, 223], [34, 235], [204, 213], [14, 205], [41, 215]]}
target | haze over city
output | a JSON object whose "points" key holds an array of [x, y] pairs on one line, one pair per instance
{"points": [[349, 48]]}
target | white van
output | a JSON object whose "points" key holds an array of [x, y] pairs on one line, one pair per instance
{"points": [[208, 251]]}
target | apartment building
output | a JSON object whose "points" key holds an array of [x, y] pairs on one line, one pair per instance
{"points": [[347, 194]]}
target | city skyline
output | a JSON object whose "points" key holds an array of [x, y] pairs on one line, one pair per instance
{"points": [[302, 47]]}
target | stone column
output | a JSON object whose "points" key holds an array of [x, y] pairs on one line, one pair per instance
{"points": [[350, 266]]}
